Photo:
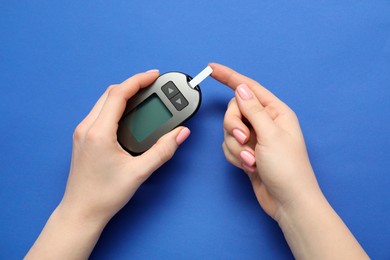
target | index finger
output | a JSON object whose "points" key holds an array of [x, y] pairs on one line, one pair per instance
{"points": [[232, 79]]}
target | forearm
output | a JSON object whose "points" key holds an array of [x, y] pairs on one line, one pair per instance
{"points": [[313, 230], [66, 236]]}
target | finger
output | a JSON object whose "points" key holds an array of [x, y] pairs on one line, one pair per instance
{"points": [[229, 77], [241, 153], [233, 123], [115, 104], [163, 150], [83, 127], [254, 111], [92, 115], [230, 157], [247, 168], [232, 79]]}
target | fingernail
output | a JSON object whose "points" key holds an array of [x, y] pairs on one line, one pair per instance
{"points": [[247, 158], [182, 136], [248, 168], [244, 92], [240, 136], [152, 71]]}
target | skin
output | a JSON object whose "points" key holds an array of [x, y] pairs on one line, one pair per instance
{"points": [[103, 177], [264, 139]]}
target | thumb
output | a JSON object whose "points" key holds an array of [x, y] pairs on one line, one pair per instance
{"points": [[254, 111], [164, 149]]}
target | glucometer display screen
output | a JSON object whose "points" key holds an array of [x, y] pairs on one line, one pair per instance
{"points": [[147, 117]]}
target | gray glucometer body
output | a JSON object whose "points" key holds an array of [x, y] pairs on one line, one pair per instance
{"points": [[156, 110]]}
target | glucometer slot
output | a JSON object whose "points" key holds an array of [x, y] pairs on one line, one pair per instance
{"points": [[200, 77]]}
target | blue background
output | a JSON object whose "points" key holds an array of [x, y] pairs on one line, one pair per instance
{"points": [[328, 60]]}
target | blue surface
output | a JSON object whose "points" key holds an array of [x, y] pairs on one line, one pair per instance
{"points": [[329, 60]]}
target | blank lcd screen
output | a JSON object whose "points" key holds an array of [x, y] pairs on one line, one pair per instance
{"points": [[147, 117]]}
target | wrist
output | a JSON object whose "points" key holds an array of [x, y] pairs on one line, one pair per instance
{"points": [[79, 217], [66, 235], [303, 196], [303, 206], [313, 230]]}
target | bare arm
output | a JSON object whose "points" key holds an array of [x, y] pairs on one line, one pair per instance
{"points": [[103, 177], [263, 137]]}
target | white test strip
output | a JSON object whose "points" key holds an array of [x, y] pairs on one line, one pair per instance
{"points": [[200, 77]]}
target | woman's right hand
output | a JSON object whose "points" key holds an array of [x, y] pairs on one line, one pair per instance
{"points": [[263, 137]]}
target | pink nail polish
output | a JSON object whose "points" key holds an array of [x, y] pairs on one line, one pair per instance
{"points": [[248, 168], [152, 71], [240, 136], [247, 158], [182, 136], [244, 92]]}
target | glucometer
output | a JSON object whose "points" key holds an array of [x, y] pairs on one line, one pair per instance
{"points": [[154, 111]]}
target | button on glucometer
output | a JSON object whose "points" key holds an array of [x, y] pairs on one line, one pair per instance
{"points": [[169, 89], [179, 101]]}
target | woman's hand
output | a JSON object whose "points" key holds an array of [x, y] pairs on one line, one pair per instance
{"points": [[263, 137], [103, 177]]}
